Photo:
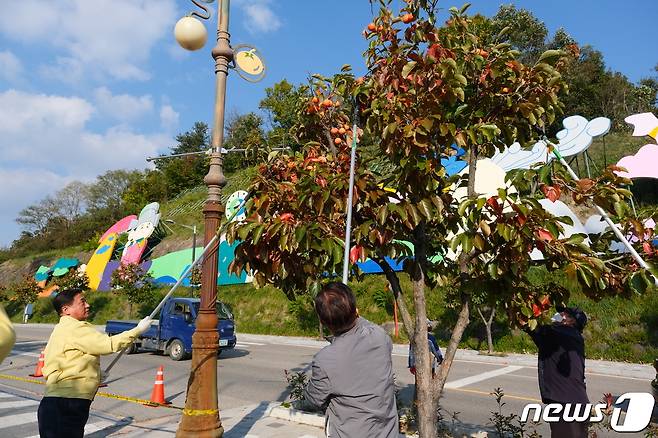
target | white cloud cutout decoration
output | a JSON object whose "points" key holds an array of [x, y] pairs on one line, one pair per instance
{"points": [[643, 124], [575, 138], [644, 164]]}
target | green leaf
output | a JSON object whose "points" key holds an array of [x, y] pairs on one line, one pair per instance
{"points": [[504, 31], [382, 214], [257, 233], [479, 242], [492, 268], [550, 56], [459, 92], [490, 131], [427, 124], [425, 208], [458, 111], [639, 282], [300, 232], [408, 68], [461, 79]]}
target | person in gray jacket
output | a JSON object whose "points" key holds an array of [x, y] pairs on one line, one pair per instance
{"points": [[353, 376]]}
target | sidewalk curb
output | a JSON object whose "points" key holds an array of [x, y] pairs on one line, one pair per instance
{"points": [[297, 416]]}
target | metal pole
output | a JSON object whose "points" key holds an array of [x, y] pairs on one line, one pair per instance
{"points": [[350, 196], [193, 243], [201, 414], [605, 216]]}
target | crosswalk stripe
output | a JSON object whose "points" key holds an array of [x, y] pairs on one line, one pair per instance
{"points": [[17, 404], [480, 377], [23, 353], [5, 395], [17, 420], [91, 428]]}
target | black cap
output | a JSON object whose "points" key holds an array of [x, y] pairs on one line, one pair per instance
{"points": [[578, 314]]}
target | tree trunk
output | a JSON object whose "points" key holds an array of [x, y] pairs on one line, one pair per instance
{"points": [[427, 404], [487, 324], [451, 350]]}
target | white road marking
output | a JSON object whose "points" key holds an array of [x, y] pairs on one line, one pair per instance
{"points": [[30, 342], [5, 395], [249, 343], [101, 425], [93, 427], [23, 353], [18, 420], [482, 376], [17, 404]]}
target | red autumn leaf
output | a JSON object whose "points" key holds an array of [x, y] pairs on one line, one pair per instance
{"points": [[585, 184], [536, 310], [648, 249], [286, 217], [544, 235], [551, 192], [356, 253]]}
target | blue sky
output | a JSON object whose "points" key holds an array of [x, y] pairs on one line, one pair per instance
{"points": [[92, 85]]}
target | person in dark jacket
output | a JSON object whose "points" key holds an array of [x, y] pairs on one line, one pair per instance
{"points": [[435, 350], [353, 376], [561, 365]]}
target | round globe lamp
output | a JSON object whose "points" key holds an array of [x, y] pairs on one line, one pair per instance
{"points": [[190, 33]]}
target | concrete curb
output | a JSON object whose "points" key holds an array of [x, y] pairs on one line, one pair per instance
{"points": [[296, 416], [317, 420]]}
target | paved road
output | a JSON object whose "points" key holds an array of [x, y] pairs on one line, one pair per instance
{"points": [[253, 373]]}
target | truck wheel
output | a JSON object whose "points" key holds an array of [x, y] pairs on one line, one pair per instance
{"points": [[134, 348], [177, 350]]}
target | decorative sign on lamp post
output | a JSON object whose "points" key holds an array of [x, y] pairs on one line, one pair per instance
{"points": [[201, 414]]}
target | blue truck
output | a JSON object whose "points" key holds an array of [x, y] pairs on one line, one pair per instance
{"points": [[172, 333]]}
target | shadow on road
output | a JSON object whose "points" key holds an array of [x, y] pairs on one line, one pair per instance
{"points": [[233, 353], [242, 427]]}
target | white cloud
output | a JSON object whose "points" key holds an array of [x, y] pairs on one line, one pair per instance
{"points": [[124, 107], [99, 38], [45, 143], [169, 118], [259, 16], [10, 66]]}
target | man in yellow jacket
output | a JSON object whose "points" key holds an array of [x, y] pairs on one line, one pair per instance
{"points": [[72, 366], [7, 334]]}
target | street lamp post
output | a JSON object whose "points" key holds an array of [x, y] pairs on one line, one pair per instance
{"points": [[201, 413]]}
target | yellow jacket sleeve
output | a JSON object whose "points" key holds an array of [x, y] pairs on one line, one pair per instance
{"points": [[7, 334], [91, 341]]}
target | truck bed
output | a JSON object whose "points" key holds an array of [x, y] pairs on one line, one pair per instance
{"points": [[114, 327]]}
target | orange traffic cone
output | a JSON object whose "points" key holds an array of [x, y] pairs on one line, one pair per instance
{"points": [[37, 371], [157, 396]]}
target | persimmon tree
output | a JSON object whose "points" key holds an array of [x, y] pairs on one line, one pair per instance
{"points": [[428, 87]]}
